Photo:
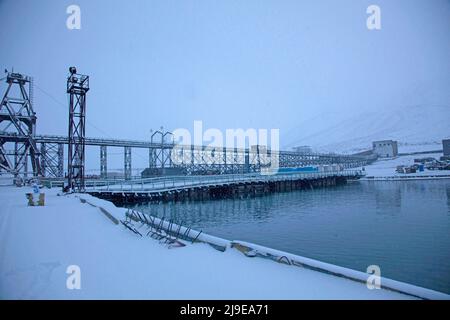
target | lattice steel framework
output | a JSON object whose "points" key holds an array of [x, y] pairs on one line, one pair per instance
{"points": [[77, 87], [103, 162], [18, 127], [160, 155], [127, 162], [217, 160], [52, 160]]}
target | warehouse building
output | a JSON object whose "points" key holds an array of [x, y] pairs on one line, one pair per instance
{"points": [[446, 147], [385, 148]]}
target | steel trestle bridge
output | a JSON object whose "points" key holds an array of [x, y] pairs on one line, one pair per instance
{"points": [[21, 146], [200, 160]]}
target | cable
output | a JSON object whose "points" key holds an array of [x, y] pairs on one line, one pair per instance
{"points": [[88, 122], [64, 106]]}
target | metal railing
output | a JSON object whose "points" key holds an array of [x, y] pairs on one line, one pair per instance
{"points": [[181, 182]]}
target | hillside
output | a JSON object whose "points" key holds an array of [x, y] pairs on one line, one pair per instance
{"points": [[414, 127]]}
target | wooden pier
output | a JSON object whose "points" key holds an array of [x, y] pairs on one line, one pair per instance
{"points": [[199, 188]]}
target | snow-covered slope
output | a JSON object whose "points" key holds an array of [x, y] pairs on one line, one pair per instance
{"points": [[416, 127]]}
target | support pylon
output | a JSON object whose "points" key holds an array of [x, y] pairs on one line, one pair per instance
{"points": [[18, 128], [77, 87]]}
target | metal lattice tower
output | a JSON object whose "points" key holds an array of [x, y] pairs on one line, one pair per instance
{"points": [[77, 87], [161, 157], [18, 122]]}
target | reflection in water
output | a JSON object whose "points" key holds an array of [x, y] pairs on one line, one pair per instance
{"points": [[401, 226], [448, 200], [215, 212], [388, 197]]}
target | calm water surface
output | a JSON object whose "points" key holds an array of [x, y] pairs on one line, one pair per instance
{"points": [[404, 227]]}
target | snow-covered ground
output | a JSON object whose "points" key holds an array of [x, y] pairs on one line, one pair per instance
{"points": [[414, 127], [404, 147], [385, 168], [38, 244]]}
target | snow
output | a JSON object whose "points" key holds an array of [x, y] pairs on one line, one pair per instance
{"points": [[180, 182], [412, 147], [414, 127], [343, 272], [385, 168], [37, 244]]}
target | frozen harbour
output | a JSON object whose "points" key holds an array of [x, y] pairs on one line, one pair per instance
{"points": [[37, 244]]}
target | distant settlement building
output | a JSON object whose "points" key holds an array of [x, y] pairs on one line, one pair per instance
{"points": [[446, 147], [385, 148], [303, 149]]}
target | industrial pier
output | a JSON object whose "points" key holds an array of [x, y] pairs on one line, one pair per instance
{"points": [[199, 188]]}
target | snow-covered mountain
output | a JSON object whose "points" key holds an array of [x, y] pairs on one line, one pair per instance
{"points": [[416, 128]]}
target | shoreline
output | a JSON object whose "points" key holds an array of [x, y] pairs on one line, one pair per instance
{"points": [[87, 232], [405, 178], [254, 250]]}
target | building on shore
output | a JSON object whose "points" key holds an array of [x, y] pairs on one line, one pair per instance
{"points": [[385, 148], [446, 147], [303, 149]]}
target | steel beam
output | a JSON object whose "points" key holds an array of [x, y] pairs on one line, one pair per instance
{"points": [[103, 162], [127, 163]]}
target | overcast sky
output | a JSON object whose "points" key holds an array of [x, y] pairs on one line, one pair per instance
{"points": [[231, 64]]}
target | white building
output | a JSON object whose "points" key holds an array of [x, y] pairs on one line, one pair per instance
{"points": [[385, 148]]}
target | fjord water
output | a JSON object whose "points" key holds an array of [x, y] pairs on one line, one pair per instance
{"points": [[403, 226]]}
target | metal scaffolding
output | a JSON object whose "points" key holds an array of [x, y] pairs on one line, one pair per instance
{"points": [[18, 123], [77, 87]]}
